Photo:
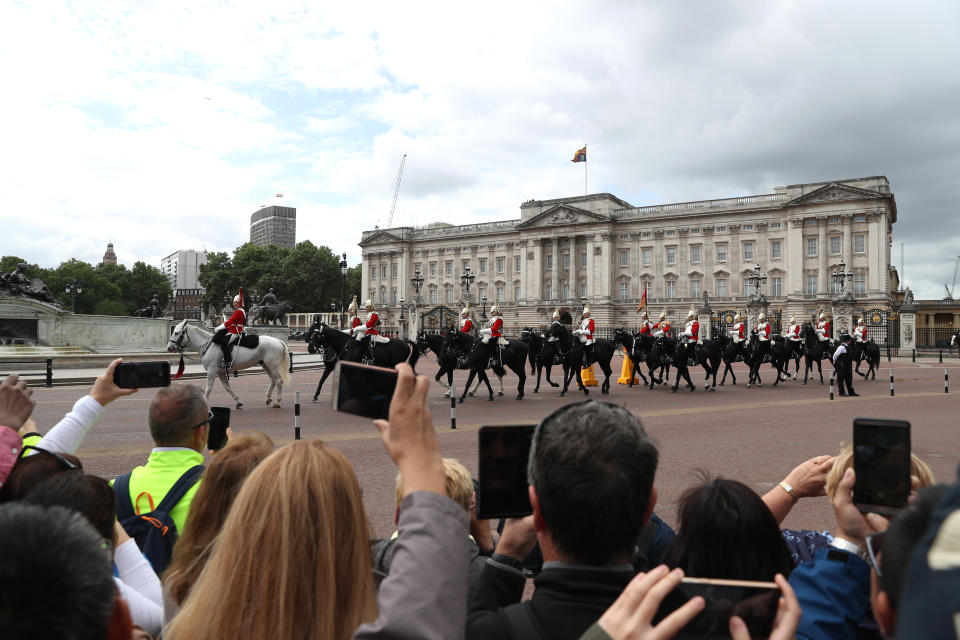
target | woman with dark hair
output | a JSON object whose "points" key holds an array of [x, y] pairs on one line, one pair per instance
{"points": [[726, 531], [94, 498], [30, 470]]}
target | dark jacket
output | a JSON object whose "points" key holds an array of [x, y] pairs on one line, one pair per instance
{"points": [[382, 550], [566, 601], [834, 593]]}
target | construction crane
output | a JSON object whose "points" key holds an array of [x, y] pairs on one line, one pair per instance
{"points": [[396, 191], [956, 272]]}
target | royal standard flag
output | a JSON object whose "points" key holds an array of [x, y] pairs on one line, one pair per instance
{"points": [[581, 155]]}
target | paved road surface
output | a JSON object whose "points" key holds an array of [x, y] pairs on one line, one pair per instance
{"points": [[754, 435]]}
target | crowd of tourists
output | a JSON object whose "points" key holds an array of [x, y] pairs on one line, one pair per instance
{"points": [[267, 542]]}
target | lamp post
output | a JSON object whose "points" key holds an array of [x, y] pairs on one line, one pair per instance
{"points": [[417, 282], [466, 279], [484, 310], [840, 277], [73, 290], [333, 309], [758, 279], [343, 287], [400, 321]]}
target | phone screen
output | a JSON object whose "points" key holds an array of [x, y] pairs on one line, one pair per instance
{"points": [[881, 461], [754, 602], [363, 390], [217, 437], [503, 453], [139, 375]]}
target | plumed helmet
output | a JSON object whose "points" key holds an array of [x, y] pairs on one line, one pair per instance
{"points": [[736, 317], [762, 316], [495, 310], [645, 315], [236, 299], [465, 311], [859, 321], [353, 308], [586, 310], [793, 319], [556, 314], [369, 305], [822, 314], [692, 313], [663, 314]]}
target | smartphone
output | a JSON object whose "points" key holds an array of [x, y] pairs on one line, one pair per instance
{"points": [[139, 375], [755, 602], [217, 438], [502, 486], [363, 390], [881, 461]]}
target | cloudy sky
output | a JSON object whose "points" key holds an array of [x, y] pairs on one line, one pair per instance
{"points": [[162, 126]]}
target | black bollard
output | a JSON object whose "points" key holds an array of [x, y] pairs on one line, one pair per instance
{"points": [[296, 416], [891, 383], [831, 385], [49, 372]]}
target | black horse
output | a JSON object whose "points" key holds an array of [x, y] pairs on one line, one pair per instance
{"points": [[489, 354], [730, 352], [637, 349], [683, 354], [543, 354], [776, 351], [660, 354], [815, 350], [450, 360], [869, 351], [572, 352], [338, 345], [707, 355]]}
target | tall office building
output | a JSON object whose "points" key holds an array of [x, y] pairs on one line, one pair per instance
{"points": [[182, 268], [274, 225]]}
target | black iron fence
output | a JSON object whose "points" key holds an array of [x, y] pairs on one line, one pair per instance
{"points": [[46, 373]]}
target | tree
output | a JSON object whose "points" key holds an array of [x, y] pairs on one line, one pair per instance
{"points": [[9, 263], [95, 287], [354, 283], [218, 279], [145, 281]]}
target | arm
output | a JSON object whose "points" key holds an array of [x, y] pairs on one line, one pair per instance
{"points": [[143, 611], [136, 572], [808, 479], [15, 403]]}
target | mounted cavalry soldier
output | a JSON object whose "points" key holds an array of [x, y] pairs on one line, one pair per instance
{"points": [[228, 333], [556, 321], [739, 334], [466, 324], [691, 333], [662, 328], [823, 328], [860, 332], [793, 331], [645, 325], [360, 331], [495, 330], [587, 327], [354, 322]]}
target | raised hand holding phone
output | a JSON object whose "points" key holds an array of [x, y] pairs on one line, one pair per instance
{"points": [[788, 616], [631, 616]]}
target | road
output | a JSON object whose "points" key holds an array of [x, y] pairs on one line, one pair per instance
{"points": [[753, 435]]}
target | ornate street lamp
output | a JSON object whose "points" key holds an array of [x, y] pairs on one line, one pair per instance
{"points": [[343, 286], [73, 290], [757, 280], [484, 310], [417, 281], [466, 279], [840, 277]]}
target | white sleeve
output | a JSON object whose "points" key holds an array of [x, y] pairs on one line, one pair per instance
{"points": [[66, 435], [143, 611], [136, 572]]}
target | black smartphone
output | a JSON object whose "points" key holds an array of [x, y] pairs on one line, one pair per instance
{"points": [[755, 602], [881, 461], [502, 486], [139, 375], [217, 437], [363, 390]]}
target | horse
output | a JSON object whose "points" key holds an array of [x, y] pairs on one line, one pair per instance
{"points": [[869, 351], [779, 357], [271, 313], [448, 359], [543, 355], [707, 355], [815, 350], [571, 352], [679, 358], [730, 352], [338, 345], [636, 349], [485, 354], [268, 352]]}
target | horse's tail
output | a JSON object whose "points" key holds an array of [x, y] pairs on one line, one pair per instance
{"points": [[285, 365]]}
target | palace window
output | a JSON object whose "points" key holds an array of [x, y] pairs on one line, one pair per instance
{"points": [[483, 265], [583, 290], [516, 264], [500, 294], [860, 283], [776, 249], [811, 247], [671, 288], [721, 252], [834, 286], [747, 288], [624, 236], [463, 265], [748, 251], [696, 232], [833, 220], [516, 293], [860, 218], [721, 287], [395, 271], [499, 265], [624, 291], [433, 268], [383, 272], [583, 260], [695, 254], [481, 292], [448, 267], [625, 257], [694, 288], [394, 295], [373, 273], [647, 255], [566, 261], [774, 225], [645, 234], [810, 222], [834, 245], [748, 227], [776, 285], [548, 292], [671, 255], [566, 291], [549, 261], [671, 233], [811, 284], [721, 229], [448, 295], [433, 296], [859, 243], [418, 267]]}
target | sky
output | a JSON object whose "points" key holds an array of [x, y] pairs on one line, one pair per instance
{"points": [[164, 125]]}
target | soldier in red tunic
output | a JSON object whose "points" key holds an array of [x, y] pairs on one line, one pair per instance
{"points": [[354, 321], [229, 332], [368, 329], [466, 324], [585, 332], [645, 325]]}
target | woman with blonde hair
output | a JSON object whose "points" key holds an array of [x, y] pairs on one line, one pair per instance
{"points": [[222, 480]]}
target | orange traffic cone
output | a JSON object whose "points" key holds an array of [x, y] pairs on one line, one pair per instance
{"points": [[626, 372], [586, 375]]}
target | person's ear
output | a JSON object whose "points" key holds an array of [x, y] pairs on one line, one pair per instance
{"points": [[538, 522], [651, 504], [201, 437]]}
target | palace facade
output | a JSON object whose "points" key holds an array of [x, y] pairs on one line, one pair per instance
{"points": [[602, 248]]}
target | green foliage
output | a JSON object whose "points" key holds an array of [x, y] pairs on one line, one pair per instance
{"points": [[8, 264], [218, 279]]}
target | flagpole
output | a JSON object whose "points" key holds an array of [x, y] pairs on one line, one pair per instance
{"points": [[585, 171]]}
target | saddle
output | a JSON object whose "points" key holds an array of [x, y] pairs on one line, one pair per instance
{"points": [[249, 340]]}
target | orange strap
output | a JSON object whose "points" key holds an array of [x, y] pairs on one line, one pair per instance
{"points": [[136, 503]]}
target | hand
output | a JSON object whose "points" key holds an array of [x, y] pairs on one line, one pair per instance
{"points": [[15, 403], [30, 426], [629, 618], [518, 538], [409, 436], [809, 479], [786, 622], [480, 529], [851, 524], [104, 390]]}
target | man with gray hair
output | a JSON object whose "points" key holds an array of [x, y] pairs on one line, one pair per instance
{"points": [[590, 471]]}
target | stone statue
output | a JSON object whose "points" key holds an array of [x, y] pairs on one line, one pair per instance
{"points": [[155, 310], [270, 298], [17, 283], [908, 297]]}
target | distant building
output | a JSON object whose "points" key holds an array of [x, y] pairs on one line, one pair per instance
{"points": [[274, 225], [109, 257], [182, 268], [185, 304]]}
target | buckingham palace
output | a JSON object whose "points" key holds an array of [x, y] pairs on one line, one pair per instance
{"points": [[603, 249]]}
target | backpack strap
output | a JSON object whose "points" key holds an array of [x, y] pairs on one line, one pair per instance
{"points": [[522, 623], [179, 489], [121, 486]]}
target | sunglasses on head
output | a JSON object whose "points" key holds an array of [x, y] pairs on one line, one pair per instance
{"points": [[209, 418], [59, 458]]}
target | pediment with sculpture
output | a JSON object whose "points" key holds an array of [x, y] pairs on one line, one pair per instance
{"points": [[834, 192], [562, 215]]}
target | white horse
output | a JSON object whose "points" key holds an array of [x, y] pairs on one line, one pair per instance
{"points": [[270, 353]]}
